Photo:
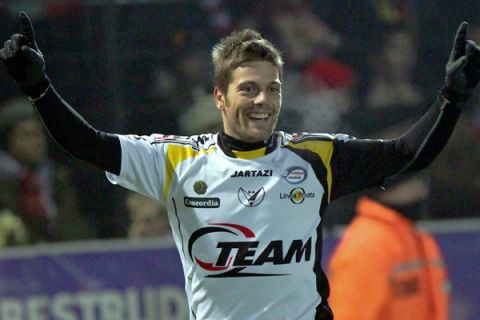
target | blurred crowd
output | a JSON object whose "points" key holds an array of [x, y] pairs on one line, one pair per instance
{"points": [[367, 68]]}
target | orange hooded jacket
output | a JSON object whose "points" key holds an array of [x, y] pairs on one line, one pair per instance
{"points": [[385, 268]]}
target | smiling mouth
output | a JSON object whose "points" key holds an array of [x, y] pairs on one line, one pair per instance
{"points": [[258, 116]]}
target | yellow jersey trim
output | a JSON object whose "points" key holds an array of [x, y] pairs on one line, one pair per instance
{"points": [[175, 155], [325, 150], [252, 154]]}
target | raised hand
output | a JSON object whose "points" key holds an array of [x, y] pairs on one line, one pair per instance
{"points": [[463, 67], [22, 58]]}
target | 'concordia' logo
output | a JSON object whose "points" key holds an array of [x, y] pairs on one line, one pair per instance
{"points": [[233, 257], [195, 202]]}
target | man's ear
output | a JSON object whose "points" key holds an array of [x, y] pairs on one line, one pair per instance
{"points": [[219, 98]]}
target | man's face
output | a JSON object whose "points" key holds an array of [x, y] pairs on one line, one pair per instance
{"points": [[252, 103]]}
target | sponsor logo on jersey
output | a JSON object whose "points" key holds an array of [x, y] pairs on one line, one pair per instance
{"points": [[251, 198], [194, 202], [196, 142], [297, 195], [239, 258], [200, 187], [163, 137], [251, 173], [295, 174]]}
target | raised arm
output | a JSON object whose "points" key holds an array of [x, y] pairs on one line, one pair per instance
{"points": [[424, 141], [25, 63], [360, 164]]}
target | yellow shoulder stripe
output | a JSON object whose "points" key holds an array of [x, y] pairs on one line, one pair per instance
{"points": [[325, 150], [175, 155]]}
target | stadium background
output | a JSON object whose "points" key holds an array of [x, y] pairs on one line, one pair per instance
{"points": [[366, 68]]}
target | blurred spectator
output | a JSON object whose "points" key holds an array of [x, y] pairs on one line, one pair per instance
{"points": [[201, 116], [392, 95], [303, 35], [63, 8], [358, 26], [319, 98], [394, 12], [34, 187], [383, 253], [148, 217], [190, 71], [49, 8], [393, 73], [220, 19], [172, 90], [12, 230], [318, 88]]}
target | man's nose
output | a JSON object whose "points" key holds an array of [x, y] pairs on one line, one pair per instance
{"points": [[261, 98]]}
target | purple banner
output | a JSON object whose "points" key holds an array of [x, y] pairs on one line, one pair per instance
{"points": [[124, 280], [108, 280]]}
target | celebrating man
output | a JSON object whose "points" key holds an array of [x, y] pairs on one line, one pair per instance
{"points": [[245, 205]]}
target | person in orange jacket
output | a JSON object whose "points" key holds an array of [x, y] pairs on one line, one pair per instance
{"points": [[385, 267]]}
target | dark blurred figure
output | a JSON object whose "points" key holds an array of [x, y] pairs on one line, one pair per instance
{"points": [[392, 95], [302, 35], [32, 186], [318, 88], [393, 80], [200, 116], [148, 218], [385, 258]]}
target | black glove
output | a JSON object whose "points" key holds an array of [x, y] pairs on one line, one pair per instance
{"points": [[24, 61], [462, 69]]}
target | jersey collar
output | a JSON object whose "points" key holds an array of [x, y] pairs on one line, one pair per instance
{"points": [[233, 147]]}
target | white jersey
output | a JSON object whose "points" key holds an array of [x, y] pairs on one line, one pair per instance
{"points": [[248, 230]]}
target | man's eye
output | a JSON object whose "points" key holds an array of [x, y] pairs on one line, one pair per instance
{"points": [[274, 89], [249, 89]]}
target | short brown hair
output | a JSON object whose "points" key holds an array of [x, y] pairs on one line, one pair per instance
{"points": [[242, 46]]}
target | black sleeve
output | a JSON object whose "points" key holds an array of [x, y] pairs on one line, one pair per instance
{"points": [[76, 136], [422, 143], [360, 164]]}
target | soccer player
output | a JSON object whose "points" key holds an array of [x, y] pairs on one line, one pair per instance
{"points": [[245, 205]]}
